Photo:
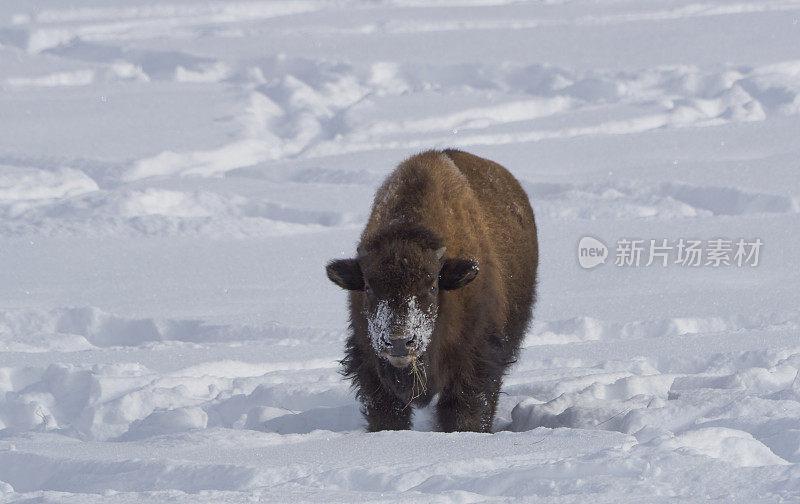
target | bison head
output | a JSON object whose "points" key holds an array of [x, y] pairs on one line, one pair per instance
{"points": [[401, 282]]}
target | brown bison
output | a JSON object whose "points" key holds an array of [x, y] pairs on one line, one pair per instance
{"points": [[440, 292]]}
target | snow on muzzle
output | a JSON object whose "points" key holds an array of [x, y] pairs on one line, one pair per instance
{"points": [[400, 332]]}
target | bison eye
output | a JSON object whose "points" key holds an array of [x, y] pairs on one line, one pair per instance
{"points": [[367, 289], [433, 289]]}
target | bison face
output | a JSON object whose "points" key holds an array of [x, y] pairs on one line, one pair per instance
{"points": [[400, 332], [401, 285]]}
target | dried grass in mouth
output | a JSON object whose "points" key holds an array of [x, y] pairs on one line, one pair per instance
{"points": [[418, 387]]}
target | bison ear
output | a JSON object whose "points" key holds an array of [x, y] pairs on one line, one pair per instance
{"points": [[346, 273], [457, 273]]}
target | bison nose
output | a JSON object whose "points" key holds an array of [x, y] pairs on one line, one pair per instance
{"points": [[400, 346]]}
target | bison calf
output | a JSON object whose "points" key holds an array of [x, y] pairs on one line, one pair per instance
{"points": [[441, 291]]}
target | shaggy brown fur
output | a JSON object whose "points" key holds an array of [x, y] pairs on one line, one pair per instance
{"points": [[477, 293]]}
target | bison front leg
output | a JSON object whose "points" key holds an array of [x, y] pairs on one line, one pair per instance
{"points": [[470, 401], [382, 409], [465, 410]]}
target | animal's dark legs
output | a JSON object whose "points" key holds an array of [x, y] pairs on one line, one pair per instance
{"points": [[492, 393], [469, 404], [382, 409], [465, 411], [468, 410]]}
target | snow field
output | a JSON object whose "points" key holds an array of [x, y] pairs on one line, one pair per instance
{"points": [[739, 408], [174, 176]]}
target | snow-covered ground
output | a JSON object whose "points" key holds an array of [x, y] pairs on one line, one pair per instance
{"points": [[174, 176]]}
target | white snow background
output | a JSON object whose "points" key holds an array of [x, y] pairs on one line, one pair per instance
{"points": [[175, 174]]}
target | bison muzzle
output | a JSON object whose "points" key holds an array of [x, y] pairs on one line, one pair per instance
{"points": [[441, 291]]}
